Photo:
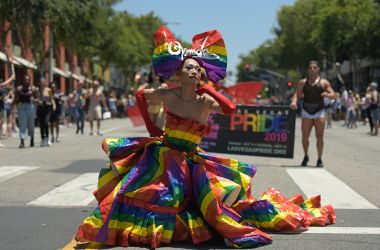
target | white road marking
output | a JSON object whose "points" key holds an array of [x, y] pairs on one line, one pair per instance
{"points": [[332, 190], [343, 230], [77, 192], [8, 172], [333, 230]]}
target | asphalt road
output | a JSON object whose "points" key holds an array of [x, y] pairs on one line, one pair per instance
{"points": [[352, 163]]}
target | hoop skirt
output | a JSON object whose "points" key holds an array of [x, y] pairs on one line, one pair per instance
{"points": [[158, 190]]}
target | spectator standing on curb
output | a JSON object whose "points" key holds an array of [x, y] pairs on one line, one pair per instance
{"points": [[55, 116], [45, 107], [374, 107], [96, 98], [79, 102], [368, 109], [26, 96]]}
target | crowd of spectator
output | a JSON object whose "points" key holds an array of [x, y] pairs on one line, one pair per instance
{"points": [[24, 107]]}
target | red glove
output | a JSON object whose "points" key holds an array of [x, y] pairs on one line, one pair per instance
{"points": [[143, 106], [227, 106]]}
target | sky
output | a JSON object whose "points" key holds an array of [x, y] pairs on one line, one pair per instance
{"points": [[244, 24]]}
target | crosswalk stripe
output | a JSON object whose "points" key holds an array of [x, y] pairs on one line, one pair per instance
{"points": [[8, 172], [334, 230], [333, 191], [343, 230], [77, 192]]}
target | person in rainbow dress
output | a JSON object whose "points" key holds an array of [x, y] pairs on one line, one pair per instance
{"points": [[165, 188]]}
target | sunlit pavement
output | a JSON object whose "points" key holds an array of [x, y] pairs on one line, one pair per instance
{"points": [[33, 216]]}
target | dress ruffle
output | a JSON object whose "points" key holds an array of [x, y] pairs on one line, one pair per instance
{"points": [[151, 193]]}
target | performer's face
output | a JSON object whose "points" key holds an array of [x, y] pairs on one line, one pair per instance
{"points": [[191, 71]]}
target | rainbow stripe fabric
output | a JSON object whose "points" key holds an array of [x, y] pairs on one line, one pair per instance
{"points": [[211, 51], [155, 191]]}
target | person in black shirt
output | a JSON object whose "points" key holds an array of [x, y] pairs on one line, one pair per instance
{"points": [[312, 89], [25, 98], [55, 116], [46, 105]]}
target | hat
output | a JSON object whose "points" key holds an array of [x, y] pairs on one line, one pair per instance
{"points": [[373, 84], [208, 49]]}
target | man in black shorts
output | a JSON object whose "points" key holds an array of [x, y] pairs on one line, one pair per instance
{"points": [[312, 89]]}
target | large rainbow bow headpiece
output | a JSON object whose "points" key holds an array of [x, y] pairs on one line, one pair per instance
{"points": [[207, 48]]}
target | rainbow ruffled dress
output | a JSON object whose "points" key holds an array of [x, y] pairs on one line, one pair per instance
{"points": [[159, 190]]}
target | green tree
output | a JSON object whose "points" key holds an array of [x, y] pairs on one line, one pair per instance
{"points": [[325, 30], [343, 30]]}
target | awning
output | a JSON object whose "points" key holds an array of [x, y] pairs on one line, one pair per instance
{"points": [[3, 57], [60, 72], [24, 62], [75, 76]]}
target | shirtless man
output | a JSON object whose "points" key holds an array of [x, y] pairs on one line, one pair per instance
{"points": [[96, 97], [312, 89]]}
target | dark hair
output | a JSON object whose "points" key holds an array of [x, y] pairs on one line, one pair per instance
{"points": [[199, 60], [313, 62]]}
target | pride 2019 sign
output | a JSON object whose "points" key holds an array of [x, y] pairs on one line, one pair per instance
{"points": [[253, 130]]}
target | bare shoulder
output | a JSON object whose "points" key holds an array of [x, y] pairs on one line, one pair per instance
{"points": [[325, 83], [164, 92], [169, 92], [158, 94], [302, 82]]}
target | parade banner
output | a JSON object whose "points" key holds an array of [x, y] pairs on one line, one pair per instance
{"points": [[253, 130]]}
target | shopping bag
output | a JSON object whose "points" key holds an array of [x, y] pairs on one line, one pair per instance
{"points": [[107, 115]]}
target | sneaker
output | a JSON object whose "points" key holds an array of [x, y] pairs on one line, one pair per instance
{"points": [[99, 134], [305, 161], [319, 163]]}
